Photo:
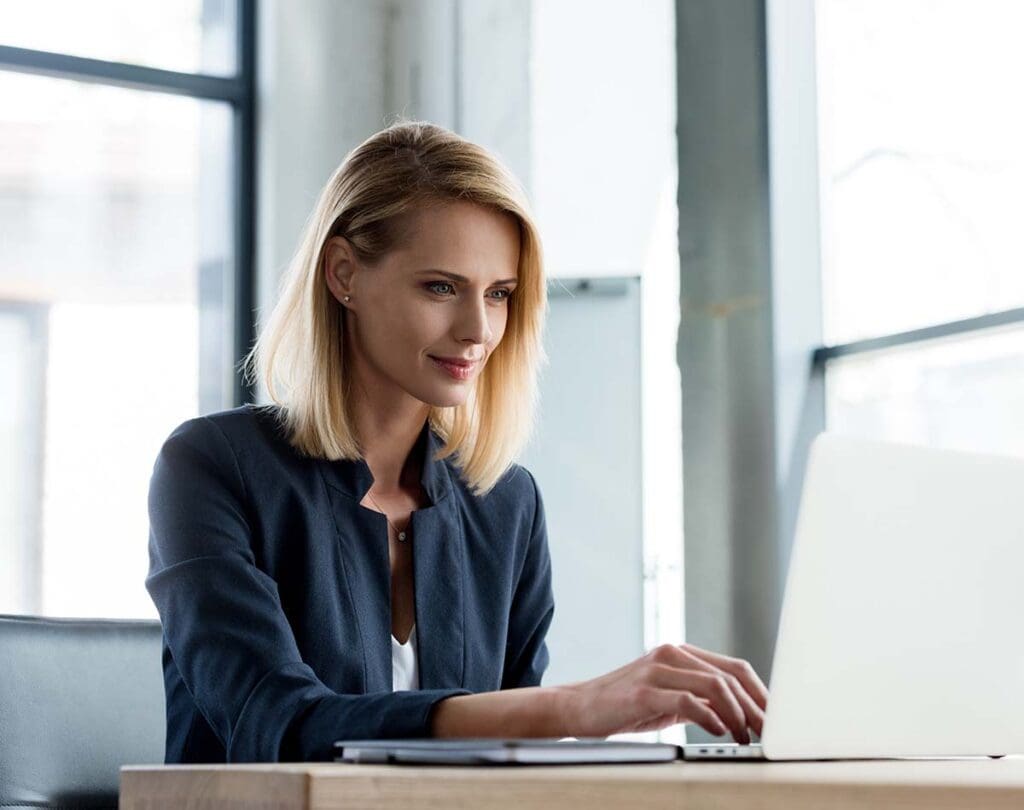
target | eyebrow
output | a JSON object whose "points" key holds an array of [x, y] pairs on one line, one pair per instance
{"points": [[463, 279]]}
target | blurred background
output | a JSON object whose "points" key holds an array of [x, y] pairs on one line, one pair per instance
{"points": [[762, 219]]}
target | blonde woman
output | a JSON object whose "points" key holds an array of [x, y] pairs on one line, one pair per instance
{"points": [[364, 558]]}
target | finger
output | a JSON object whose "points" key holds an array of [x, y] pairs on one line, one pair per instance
{"points": [[737, 667], [691, 709], [755, 716], [752, 712], [708, 685], [751, 738], [658, 705], [721, 694]]}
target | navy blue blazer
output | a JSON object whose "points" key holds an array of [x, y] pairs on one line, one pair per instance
{"points": [[273, 589]]}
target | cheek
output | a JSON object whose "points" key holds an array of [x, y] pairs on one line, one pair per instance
{"points": [[429, 325], [499, 323], [398, 320], [409, 332]]}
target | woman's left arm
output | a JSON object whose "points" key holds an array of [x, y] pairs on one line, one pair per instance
{"points": [[533, 606]]}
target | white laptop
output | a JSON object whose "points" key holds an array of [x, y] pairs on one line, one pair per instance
{"points": [[900, 628]]}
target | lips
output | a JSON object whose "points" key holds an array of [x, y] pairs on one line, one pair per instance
{"points": [[454, 361], [457, 367]]}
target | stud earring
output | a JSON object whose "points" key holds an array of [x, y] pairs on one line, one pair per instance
{"points": [[348, 298]]}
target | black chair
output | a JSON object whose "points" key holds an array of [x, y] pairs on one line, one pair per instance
{"points": [[79, 698]]}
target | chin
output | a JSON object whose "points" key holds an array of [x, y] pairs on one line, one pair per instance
{"points": [[441, 396], [448, 399]]}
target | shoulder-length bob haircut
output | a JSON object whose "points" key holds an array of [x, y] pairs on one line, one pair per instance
{"points": [[299, 356]]}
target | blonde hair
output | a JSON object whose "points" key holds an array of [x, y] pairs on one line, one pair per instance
{"points": [[299, 356]]}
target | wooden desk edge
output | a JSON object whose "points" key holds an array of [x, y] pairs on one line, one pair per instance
{"points": [[167, 787], [325, 786]]}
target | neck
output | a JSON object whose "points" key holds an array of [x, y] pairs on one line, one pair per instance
{"points": [[387, 420], [387, 432]]}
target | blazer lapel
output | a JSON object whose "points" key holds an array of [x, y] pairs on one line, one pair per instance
{"points": [[366, 568], [440, 617], [437, 570]]}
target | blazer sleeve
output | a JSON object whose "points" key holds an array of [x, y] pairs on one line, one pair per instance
{"points": [[533, 607], [226, 629]]}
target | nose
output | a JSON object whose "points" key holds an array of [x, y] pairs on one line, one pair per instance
{"points": [[474, 323]]}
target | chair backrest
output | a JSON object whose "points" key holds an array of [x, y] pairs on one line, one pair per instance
{"points": [[79, 698]]}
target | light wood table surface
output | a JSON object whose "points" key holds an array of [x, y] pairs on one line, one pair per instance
{"points": [[963, 783]]}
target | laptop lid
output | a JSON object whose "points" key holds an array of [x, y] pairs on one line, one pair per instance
{"points": [[900, 626]]}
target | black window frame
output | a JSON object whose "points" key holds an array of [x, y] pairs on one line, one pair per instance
{"points": [[239, 91], [966, 326]]}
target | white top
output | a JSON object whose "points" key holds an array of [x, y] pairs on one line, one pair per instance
{"points": [[405, 673]]}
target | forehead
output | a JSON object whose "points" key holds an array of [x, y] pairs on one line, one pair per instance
{"points": [[464, 238]]}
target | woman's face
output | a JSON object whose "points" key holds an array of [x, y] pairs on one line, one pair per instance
{"points": [[442, 296]]}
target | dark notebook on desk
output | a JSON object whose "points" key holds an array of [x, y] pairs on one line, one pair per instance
{"points": [[497, 751]]}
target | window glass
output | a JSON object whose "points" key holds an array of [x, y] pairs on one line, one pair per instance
{"points": [[963, 393], [922, 162], [115, 284], [191, 36]]}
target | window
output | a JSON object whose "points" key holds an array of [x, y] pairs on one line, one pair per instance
{"points": [[922, 190], [125, 278]]}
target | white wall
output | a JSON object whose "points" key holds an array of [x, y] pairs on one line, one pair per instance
{"points": [[603, 132], [321, 91]]}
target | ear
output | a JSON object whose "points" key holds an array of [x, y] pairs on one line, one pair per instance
{"points": [[340, 268]]}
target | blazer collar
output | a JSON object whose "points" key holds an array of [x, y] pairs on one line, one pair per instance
{"points": [[353, 477]]}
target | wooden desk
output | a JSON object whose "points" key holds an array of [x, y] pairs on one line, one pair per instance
{"points": [[906, 784]]}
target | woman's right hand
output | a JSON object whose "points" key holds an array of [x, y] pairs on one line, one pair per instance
{"points": [[670, 684]]}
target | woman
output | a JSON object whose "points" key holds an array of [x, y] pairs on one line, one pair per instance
{"points": [[364, 559]]}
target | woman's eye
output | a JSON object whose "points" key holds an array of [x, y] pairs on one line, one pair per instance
{"points": [[446, 288], [433, 285]]}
